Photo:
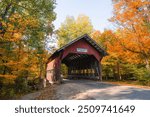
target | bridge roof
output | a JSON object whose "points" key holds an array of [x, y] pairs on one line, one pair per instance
{"points": [[85, 37]]}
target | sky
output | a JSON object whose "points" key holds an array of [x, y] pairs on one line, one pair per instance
{"points": [[99, 11]]}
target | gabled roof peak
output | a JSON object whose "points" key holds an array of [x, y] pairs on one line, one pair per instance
{"points": [[88, 39]]}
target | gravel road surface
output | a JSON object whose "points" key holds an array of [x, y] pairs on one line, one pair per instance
{"points": [[94, 90]]}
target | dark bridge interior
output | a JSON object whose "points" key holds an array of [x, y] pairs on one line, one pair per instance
{"points": [[82, 66]]}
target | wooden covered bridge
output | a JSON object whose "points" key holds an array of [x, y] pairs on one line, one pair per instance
{"points": [[82, 56]]}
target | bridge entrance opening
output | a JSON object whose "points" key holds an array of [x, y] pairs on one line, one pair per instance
{"points": [[82, 66]]}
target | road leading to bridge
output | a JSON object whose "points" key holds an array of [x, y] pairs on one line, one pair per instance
{"points": [[94, 90]]}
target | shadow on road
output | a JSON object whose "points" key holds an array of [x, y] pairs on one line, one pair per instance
{"points": [[88, 89]]}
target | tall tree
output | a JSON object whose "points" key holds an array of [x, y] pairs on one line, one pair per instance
{"points": [[133, 18], [108, 40], [72, 28], [24, 26]]}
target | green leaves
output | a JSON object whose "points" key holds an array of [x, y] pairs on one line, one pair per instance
{"points": [[72, 28], [27, 23]]}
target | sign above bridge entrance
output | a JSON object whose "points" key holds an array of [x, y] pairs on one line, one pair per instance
{"points": [[82, 50]]}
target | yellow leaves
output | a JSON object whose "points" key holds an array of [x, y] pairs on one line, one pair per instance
{"points": [[72, 28], [10, 63], [7, 76], [32, 22], [24, 34], [17, 36], [16, 26]]}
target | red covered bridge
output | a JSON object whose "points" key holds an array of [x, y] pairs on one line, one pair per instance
{"points": [[82, 57]]}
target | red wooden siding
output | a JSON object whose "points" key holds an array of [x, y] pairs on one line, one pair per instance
{"points": [[87, 47], [82, 44]]}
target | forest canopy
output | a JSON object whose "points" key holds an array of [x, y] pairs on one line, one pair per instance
{"points": [[26, 27]]}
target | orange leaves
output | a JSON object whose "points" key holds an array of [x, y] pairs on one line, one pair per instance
{"points": [[17, 36], [10, 63], [96, 36], [128, 12], [24, 26], [16, 26], [134, 36], [7, 76]]}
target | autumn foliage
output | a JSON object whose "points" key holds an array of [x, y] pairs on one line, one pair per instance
{"points": [[24, 27], [129, 45]]}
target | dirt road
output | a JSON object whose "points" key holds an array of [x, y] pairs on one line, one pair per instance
{"points": [[94, 90]]}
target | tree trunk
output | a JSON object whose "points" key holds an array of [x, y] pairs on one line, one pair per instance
{"points": [[100, 71], [147, 64], [118, 71], [114, 75]]}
